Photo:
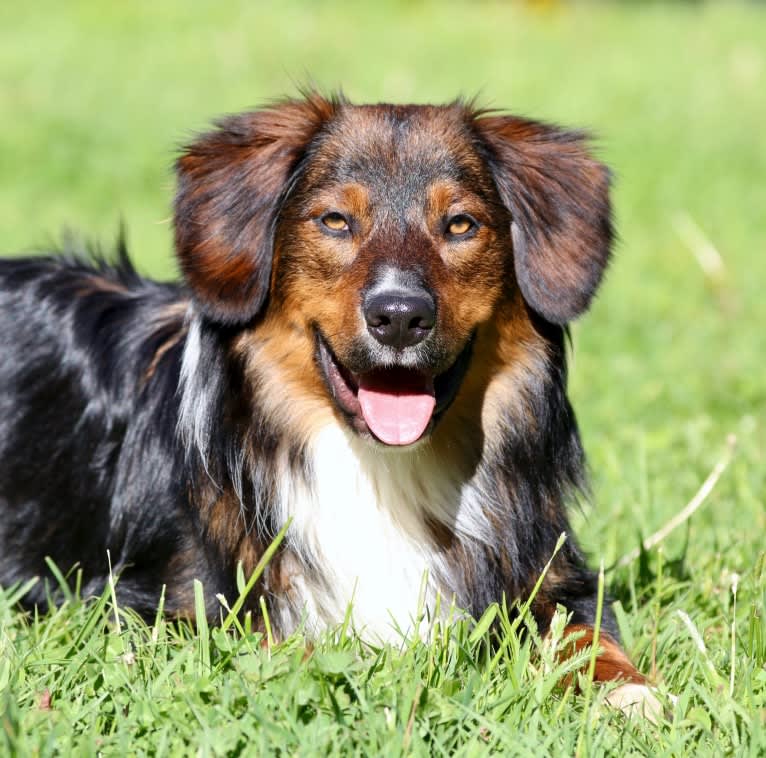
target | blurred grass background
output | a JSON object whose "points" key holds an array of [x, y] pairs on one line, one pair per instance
{"points": [[95, 100]]}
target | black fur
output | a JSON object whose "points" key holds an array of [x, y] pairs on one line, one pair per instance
{"points": [[90, 457]]}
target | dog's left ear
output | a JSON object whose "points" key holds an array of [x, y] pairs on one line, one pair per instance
{"points": [[230, 186], [558, 196]]}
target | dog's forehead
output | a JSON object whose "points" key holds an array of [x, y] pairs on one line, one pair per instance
{"points": [[398, 149]]}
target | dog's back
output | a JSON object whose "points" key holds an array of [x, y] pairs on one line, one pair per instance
{"points": [[88, 408]]}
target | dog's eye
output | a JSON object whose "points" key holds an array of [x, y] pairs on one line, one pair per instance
{"points": [[335, 222], [459, 226]]}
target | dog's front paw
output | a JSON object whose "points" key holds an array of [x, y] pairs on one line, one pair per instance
{"points": [[638, 700]]}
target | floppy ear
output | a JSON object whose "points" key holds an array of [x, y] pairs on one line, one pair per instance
{"points": [[558, 196], [230, 186]]}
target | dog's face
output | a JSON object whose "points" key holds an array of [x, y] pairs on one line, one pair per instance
{"points": [[380, 240], [392, 250]]}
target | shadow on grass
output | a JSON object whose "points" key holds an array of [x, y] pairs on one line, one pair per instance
{"points": [[650, 575]]}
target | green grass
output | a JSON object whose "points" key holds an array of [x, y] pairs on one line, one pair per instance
{"points": [[95, 100]]}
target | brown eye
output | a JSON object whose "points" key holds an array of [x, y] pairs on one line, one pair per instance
{"points": [[335, 222], [459, 226]]}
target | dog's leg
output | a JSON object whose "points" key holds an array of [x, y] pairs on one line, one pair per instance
{"points": [[612, 663], [634, 696]]}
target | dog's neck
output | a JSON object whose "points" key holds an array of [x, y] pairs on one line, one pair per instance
{"points": [[368, 523]]}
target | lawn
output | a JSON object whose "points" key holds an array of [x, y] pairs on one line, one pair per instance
{"points": [[668, 373]]}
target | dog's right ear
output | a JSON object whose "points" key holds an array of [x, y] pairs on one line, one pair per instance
{"points": [[231, 182]]}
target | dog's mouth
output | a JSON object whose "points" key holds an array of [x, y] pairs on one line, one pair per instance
{"points": [[396, 405]]}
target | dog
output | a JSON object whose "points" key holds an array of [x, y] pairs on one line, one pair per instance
{"points": [[369, 344]]}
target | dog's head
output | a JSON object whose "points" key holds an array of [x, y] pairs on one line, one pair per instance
{"points": [[382, 238]]}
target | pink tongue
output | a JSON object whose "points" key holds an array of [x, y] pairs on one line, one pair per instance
{"points": [[397, 406]]}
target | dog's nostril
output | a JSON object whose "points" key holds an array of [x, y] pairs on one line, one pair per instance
{"points": [[400, 319], [420, 323], [378, 320]]}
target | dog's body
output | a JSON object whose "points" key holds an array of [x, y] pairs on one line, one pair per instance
{"points": [[369, 341]]}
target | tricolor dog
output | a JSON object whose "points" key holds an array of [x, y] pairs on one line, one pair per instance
{"points": [[369, 341]]}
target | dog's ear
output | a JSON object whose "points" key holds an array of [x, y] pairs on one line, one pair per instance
{"points": [[231, 183], [558, 196]]}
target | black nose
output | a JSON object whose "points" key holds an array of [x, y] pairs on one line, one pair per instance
{"points": [[399, 319]]}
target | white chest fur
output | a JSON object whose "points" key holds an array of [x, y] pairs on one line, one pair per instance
{"points": [[360, 521]]}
